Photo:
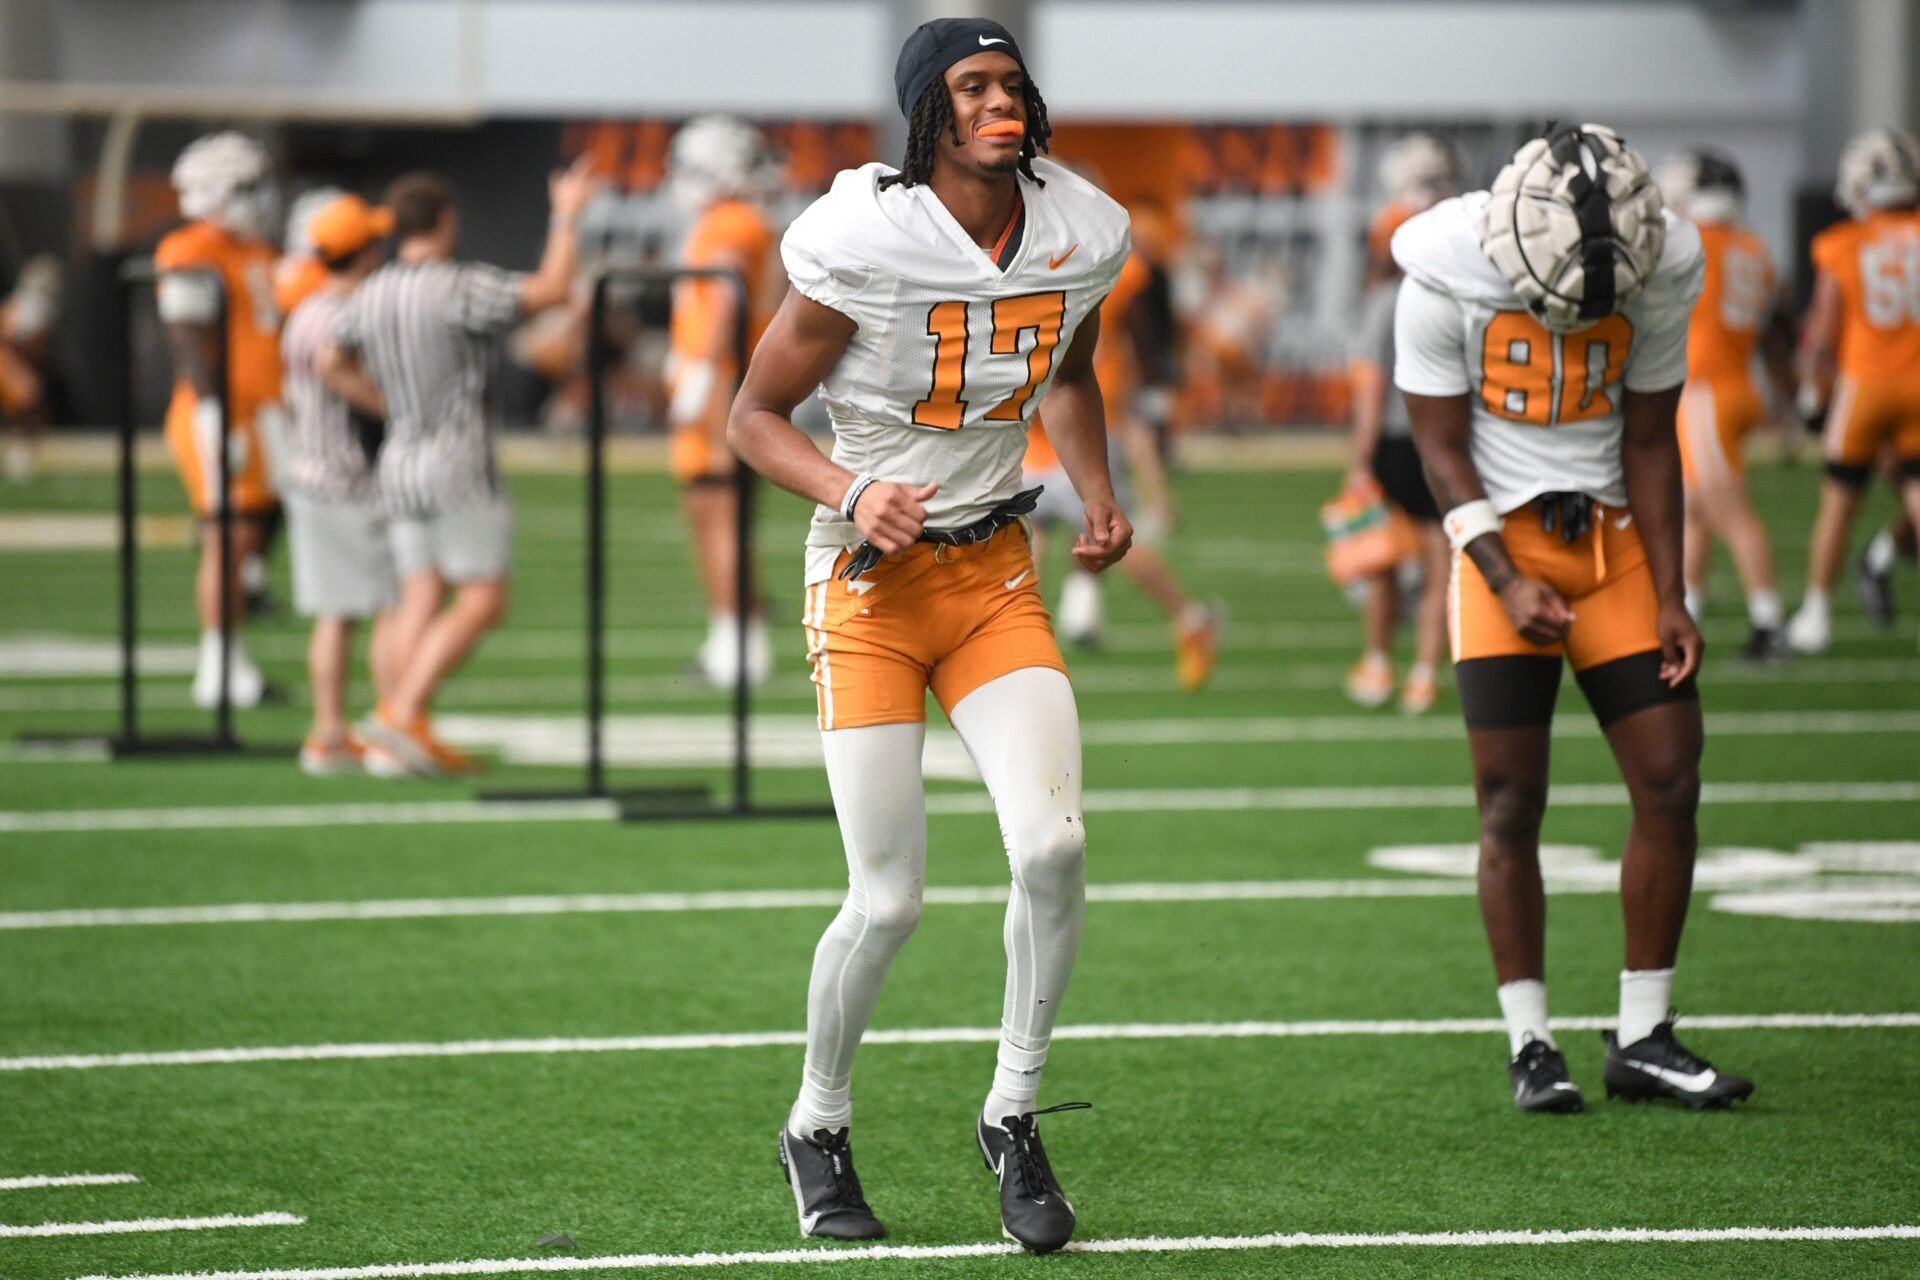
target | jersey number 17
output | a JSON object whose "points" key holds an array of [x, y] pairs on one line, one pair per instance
{"points": [[949, 324]]}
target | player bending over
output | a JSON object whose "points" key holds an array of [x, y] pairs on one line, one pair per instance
{"points": [[1864, 327], [934, 307], [222, 257], [342, 567], [1720, 405], [1541, 341]]}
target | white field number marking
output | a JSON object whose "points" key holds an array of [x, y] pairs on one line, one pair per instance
{"points": [[220, 1222]]}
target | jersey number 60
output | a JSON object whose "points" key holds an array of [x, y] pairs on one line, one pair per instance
{"points": [[947, 322]]}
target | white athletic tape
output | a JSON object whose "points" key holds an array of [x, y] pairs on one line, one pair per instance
{"points": [[1148, 1244], [917, 1036], [221, 1222]]}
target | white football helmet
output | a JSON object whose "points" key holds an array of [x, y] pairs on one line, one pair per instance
{"points": [[1419, 170], [1703, 186], [1575, 224], [716, 157], [227, 179], [300, 216], [1880, 169]]}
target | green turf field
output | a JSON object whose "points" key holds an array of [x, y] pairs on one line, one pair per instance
{"points": [[421, 1034]]}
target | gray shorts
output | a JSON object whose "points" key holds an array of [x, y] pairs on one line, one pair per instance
{"points": [[342, 567], [464, 544]]}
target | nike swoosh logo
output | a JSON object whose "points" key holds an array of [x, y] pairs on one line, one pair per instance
{"points": [[1018, 578], [860, 586], [987, 40], [1053, 264], [1679, 1080], [806, 1223]]}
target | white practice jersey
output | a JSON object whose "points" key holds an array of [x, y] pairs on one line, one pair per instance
{"points": [[951, 355], [1547, 411]]}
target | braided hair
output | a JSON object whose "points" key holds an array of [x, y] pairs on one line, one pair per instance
{"points": [[933, 115]]}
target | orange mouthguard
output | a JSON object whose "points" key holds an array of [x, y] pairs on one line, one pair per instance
{"points": [[1002, 129]]}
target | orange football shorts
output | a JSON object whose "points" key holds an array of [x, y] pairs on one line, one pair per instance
{"points": [[1715, 417], [948, 619]]}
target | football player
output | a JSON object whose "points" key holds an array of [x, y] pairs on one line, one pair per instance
{"points": [[27, 318], [1862, 337], [1541, 343], [934, 306], [1116, 364], [716, 168], [1418, 171], [1721, 404], [222, 257]]}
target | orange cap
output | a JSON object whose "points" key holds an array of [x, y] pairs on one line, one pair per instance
{"points": [[345, 226]]}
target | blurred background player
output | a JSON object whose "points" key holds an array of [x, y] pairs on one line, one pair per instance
{"points": [[222, 255], [1132, 453], [342, 566], [1417, 171], [27, 317], [423, 328], [933, 307], [1722, 404], [1860, 354], [1563, 504], [300, 270], [717, 167]]}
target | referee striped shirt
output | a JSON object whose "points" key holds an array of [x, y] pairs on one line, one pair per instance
{"points": [[425, 332], [322, 454]]}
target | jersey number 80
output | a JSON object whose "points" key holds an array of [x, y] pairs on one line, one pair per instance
{"points": [[1531, 375], [1042, 314]]}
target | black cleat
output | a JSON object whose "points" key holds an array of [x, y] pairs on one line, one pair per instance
{"points": [[826, 1190], [1876, 592], [1766, 646], [1541, 1082], [1661, 1067], [1033, 1209]]}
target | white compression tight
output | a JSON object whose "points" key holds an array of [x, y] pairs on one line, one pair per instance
{"points": [[1023, 732]]}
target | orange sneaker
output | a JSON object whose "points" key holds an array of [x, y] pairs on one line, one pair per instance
{"points": [[396, 750], [320, 759], [1419, 694], [1196, 647], [1370, 683]]}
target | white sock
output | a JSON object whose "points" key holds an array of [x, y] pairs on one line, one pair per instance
{"points": [[1376, 660], [1696, 597], [253, 573], [1646, 995], [881, 800], [1023, 731], [1764, 610], [1882, 553], [1814, 602], [1082, 612], [1524, 1005], [1420, 671]]}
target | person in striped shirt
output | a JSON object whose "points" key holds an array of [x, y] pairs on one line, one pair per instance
{"points": [[342, 567], [424, 328]]}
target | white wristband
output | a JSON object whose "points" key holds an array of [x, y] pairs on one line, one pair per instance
{"points": [[1470, 520], [854, 490]]}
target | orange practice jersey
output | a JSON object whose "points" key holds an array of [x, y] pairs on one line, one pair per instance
{"points": [[253, 322], [730, 234], [1733, 307], [1876, 263], [1115, 365]]}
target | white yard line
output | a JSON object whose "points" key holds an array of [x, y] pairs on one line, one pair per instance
{"points": [[151, 1224], [1177, 800], [918, 1036], [32, 1181], [733, 900], [1148, 1244]]}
